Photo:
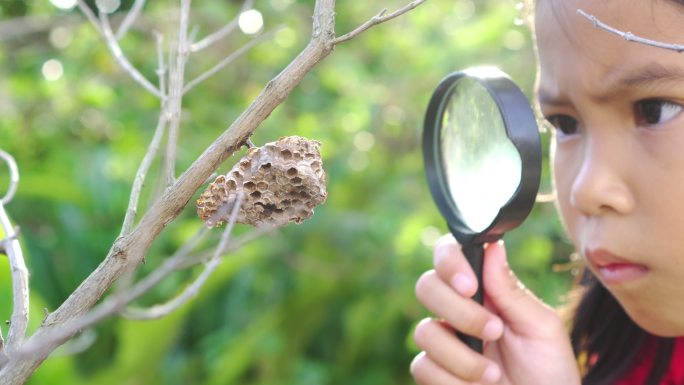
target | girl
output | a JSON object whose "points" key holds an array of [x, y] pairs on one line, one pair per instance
{"points": [[618, 160]]}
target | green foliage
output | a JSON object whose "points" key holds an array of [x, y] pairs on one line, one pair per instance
{"points": [[326, 302]]}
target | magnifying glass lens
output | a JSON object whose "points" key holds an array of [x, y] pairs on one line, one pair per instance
{"points": [[481, 165]]}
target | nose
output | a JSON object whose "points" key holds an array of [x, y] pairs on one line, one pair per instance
{"points": [[601, 184]]}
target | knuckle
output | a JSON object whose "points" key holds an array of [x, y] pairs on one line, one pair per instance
{"points": [[472, 322], [475, 371]]}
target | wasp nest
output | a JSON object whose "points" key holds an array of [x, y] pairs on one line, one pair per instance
{"points": [[281, 182]]}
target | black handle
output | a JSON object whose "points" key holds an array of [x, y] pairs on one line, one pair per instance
{"points": [[474, 253]]}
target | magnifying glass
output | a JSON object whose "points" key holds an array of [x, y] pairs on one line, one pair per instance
{"points": [[482, 155]]}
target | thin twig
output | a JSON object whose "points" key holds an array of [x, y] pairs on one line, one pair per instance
{"points": [[141, 175], [14, 178], [105, 30], [192, 290], [19, 272], [20, 283], [122, 59], [630, 36], [161, 67], [114, 305], [45, 338], [3, 355], [130, 18], [377, 19], [89, 15], [175, 102], [227, 60], [223, 32], [152, 149], [20, 291]]}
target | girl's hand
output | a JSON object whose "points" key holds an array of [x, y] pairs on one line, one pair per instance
{"points": [[526, 342]]}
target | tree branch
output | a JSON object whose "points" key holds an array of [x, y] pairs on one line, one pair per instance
{"points": [[19, 272], [377, 19], [175, 99], [14, 178], [192, 290], [141, 175], [227, 60], [130, 18], [630, 36], [106, 31], [161, 68], [116, 303], [223, 32]]}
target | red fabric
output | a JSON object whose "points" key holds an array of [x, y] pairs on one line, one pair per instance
{"points": [[675, 374]]}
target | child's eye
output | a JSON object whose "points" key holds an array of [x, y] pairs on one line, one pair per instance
{"points": [[564, 124], [651, 112]]}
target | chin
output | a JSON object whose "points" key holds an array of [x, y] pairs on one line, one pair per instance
{"points": [[657, 323]]}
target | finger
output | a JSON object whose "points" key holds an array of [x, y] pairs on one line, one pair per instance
{"points": [[521, 309], [463, 314], [426, 372], [453, 267], [447, 351]]}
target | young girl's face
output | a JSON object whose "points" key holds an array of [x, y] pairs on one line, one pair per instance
{"points": [[618, 151]]}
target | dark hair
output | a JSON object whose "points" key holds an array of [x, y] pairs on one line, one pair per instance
{"points": [[610, 341]]}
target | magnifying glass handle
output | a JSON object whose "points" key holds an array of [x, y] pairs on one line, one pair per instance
{"points": [[475, 255]]}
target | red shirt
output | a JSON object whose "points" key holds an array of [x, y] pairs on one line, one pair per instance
{"points": [[674, 375]]}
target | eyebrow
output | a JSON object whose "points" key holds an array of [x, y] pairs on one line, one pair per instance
{"points": [[652, 74]]}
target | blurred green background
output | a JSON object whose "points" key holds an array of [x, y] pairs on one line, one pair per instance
{"points": [[329, 301]]}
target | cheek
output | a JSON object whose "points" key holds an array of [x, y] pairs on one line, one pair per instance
{"points": [[661, 178], [563, 174]]}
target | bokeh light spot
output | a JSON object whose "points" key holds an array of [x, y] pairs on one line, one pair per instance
{"points": [[250, 22]]}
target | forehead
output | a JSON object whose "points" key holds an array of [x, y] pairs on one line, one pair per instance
{"points": [[571, 48]]}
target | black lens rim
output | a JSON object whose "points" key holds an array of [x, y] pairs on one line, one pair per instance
{"points": [[521, 128]]}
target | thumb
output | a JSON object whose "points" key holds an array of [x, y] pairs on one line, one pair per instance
{"points": [[521, 310]]}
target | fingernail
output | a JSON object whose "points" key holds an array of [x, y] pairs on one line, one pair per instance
{"points": [[491, 374], [462, 284], [492, 329]]}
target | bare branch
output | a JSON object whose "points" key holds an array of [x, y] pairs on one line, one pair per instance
{"points": [[20, 279], [14, 178], [19, 272], [122, 59], [377, 19], [192, 290], [175, 100], [105, 30], [161, 67], [3, 355], [630, 36], [223, 32], [130, 18], [89, 15], [141, 175], [227, 60], [45, 339]]}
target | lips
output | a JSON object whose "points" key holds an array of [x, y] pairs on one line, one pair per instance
{"points": [[613, 269]]}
